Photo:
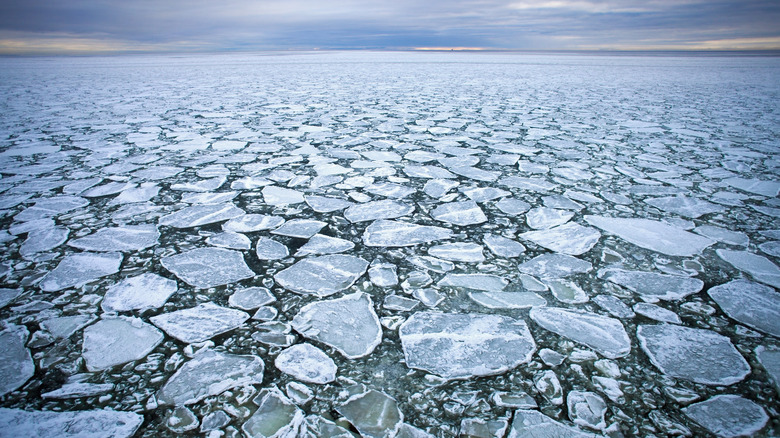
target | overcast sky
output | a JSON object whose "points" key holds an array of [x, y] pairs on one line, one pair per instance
{"points": [[69, 26]]}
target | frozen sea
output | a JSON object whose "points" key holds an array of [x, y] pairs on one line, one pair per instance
{"points": [[341, 244]]}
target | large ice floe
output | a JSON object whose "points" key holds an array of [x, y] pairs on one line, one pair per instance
{"points": [[458, 346], [388, 244]]}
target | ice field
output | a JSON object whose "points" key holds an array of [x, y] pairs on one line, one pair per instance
{"points": [[345, 244]]}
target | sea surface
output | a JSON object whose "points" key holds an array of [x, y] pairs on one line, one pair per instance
{"points": [[390, 244]]}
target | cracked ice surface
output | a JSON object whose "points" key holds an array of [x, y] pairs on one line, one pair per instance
{"points": [[215, 192]]}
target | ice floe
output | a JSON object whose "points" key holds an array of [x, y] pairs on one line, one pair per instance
{"points": [[752, 304], [570, 238], [386, 233], [322, 276], [269, 249], [605, 335], [698, 355], [307, 363], [759, 267], [459, 213], [373, 210], [199, 323], [201, 214], [653, 235], [460, 346], [374, 414], [117, 340], [208, 267], [77, 269], [76, 424], [127, 238], [728, 415], [16, 364], [653, 286], [210, 373], [349, 324]]}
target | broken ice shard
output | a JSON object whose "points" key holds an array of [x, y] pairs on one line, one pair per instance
{"points": [[384, 233]]}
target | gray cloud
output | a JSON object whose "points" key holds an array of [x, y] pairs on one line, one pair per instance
{"points": [[515, 24]]}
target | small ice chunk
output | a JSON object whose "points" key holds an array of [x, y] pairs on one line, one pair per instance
{"points": [[274, 195], [8, 295], [534, 424], [436, 188], [603, 334], [75, 424], [276, 417], [458, 252], [199, 323], [653, 235], [143, 193], [549, 387], [512, 206], [507, 300], [383, 274], [208, 267], [77, 269], [117, 340], [728, 415], [752, 304], [201, 214], [657, 313], [397, 302], [503, 247], [586, 409], [203, 185], [323, 204], [50, 207], [759, 267], [210, 373], [374, 414], [460, 346], [208, 197], [322, 244], [567, 291], [307, 363], [484, 282], [459, 213], [484, 194], [373, 210], [126, 238], [348, 324], [475, 173], [541, 218], [249, 223], [653, 286], [698, 355], [322, 276], [614, 306], [571, 238], [432, 172], [229, 240], [251, 298], [479, 428], [554, 266], [390, 190], [16, 364], [269, 249], [300, 228], [384, 233]]}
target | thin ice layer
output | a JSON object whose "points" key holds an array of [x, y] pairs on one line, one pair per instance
{"points": [[208, 267], [322, 276], [605, 335], [653, 235]]}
